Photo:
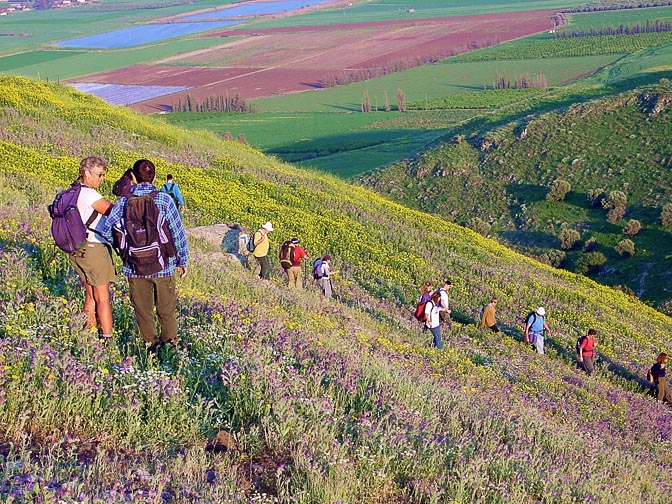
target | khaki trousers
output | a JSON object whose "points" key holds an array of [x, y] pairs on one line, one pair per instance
{"points": [[294, 276], [150, 293]]}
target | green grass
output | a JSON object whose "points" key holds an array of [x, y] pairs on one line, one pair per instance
{"points": [[363, 141]]}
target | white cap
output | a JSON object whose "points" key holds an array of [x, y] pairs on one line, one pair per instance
{"points": [[541, 311], [268, 226]]}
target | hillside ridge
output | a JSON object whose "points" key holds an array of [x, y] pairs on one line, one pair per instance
{"points": [[339, 401]]}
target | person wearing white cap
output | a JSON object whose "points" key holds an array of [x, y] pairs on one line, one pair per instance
{"points": [[534, 329], [261, 247]]}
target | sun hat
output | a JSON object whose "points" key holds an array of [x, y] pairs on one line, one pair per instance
{"points": [[541, 311], [268, 226]]}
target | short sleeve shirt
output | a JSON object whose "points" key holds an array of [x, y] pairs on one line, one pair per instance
{"points": [[87, 198]]}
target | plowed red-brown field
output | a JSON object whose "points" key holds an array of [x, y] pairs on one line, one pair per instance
{"points": [[286, 60]]}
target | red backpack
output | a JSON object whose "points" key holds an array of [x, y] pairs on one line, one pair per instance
{"points": [[420, 314]]}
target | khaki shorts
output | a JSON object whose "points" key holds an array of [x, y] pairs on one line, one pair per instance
{"points": [[93, 263]]}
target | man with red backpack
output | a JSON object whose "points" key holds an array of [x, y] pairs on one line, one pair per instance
{"points": [[291, 254]]}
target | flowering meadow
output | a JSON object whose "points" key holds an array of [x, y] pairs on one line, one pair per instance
{"points": [[328, 402]]}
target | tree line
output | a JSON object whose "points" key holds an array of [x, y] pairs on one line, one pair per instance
{"points": [[622, 29], [219, 103], [618, 5]]}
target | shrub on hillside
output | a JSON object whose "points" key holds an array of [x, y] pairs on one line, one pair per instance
{"points": [[558, 191], [632, 227], [666, 215], [615, 203], [625, 248], [595, 197], [479, 225], [626, 289], [590, 245], [590, 262], [553, 258], [569, 238]]}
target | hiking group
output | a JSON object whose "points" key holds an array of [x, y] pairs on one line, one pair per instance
{"points": [[291, 256], [145, 229], [433, 304]]}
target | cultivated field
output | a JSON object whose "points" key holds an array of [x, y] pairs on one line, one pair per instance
{"points": [[279, 61]]}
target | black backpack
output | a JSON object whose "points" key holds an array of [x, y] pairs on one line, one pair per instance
{"points": [[67, 228], [532, 315], [250, 243], [287, 255], [144, 240], [171, 192], [579, 340]]}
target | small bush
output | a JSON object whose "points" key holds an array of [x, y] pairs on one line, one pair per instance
{"points": [[625, 248], [590, 245], [626, 289], [615, 199], [590, 262], [479, 225], [569, 238], [632, 227], [553, 258], [595, 197], [559, 189], [615, 214], [666, 215]]}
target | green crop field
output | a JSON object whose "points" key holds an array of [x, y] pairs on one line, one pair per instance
{"points": [[383, 10], [432, 81], [627, 17], [66, 64]]}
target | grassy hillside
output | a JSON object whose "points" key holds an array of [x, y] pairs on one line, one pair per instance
{"points": [[328, 402], [503, 175]]}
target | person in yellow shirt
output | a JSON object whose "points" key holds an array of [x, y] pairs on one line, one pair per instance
{"points": [[488, 318], [261, 247]]}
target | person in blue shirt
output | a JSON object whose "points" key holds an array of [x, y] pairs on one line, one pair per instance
{"points": [[172, 189], [156, 291], [534, 329]]}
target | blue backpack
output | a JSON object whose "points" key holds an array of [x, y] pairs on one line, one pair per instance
{"points": [[317, 268], [67, 228]]}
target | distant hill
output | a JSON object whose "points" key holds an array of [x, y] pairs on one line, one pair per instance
{"points": [[498, 180], [315, 401]]}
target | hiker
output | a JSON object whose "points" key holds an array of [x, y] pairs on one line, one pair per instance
{"points": [[433, 319], [291, 254], [156, 290], [488, 318], [322, 272], [93, 262], [535, 325], [172, 189], [261, 244], [661, 387], [444, 304], [426, 292], [122, 187], [587, 351]]}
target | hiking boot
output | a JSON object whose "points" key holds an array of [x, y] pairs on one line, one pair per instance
{"points": [[154, 348]]}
